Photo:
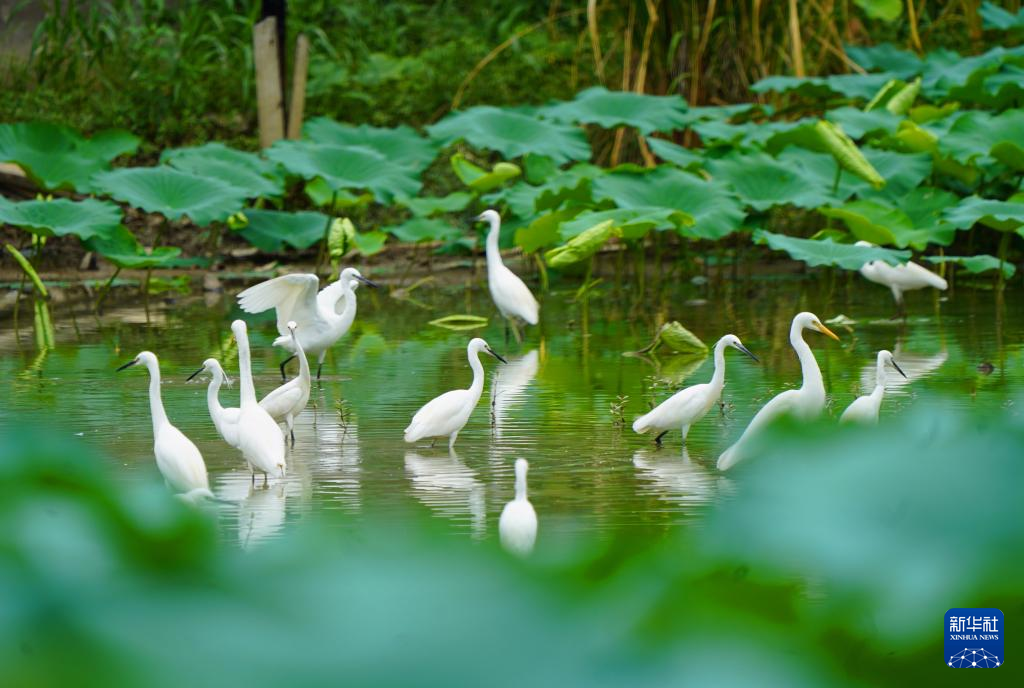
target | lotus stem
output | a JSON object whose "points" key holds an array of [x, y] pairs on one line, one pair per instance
{"points": [[28, 270], [105, 289], [1004, 247]]}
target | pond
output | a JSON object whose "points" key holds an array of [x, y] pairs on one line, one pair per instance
{"points": [[553, 404]]}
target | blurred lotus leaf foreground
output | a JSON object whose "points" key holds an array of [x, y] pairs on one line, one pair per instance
{"points": [[832, 564]]}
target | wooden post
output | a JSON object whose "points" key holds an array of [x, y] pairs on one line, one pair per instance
{"points": [[298, 102], [270, 100]]}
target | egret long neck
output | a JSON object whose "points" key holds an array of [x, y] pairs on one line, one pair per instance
{"points": [[493, 254], [248, 396], [213, 393], [478, 374], [303, 363], [348, 313], [520, 486], [156, 404], [808, 365], [718, 379], [879, 378]]}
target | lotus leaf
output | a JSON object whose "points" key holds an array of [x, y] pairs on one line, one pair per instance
{"points": [[59, 217], [828, 252], [611, 109], [172, 193], [512, 134]]}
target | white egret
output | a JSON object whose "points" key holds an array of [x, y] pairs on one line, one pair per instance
{"points": [[864, 409], [177, 457], [259, 437], [512, 297], [224, 419], [295, 298], [287, 401], [805, 403], [900, 278], [518, 523], [687, 406], [446, 415]]}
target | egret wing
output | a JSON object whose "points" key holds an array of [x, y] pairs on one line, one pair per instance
{"points": [[294, 297], [920, 274], [513, 296], [179, 461]]}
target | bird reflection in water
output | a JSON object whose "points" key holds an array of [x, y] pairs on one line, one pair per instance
{"points": [[449, 488], [508, 390]]}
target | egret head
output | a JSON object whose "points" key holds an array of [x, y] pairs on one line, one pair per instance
{"points": [[521, 468], [353, 274], [210, 365], [809, 321], [886, 357], [476, 345], [146, 358], [239, 329], [488, 215], [292, 326], [734, 341]]}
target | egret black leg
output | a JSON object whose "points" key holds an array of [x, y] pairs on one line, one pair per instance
{"points": [[293, 438], [284, 363], [657, 440], [506, 332], [318, 369]]}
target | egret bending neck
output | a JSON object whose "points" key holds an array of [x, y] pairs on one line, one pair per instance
{"points": [[156, 404], [213, 392], [718, 379], [477, 388], [493, 253], [808, 364], [520, 486]]}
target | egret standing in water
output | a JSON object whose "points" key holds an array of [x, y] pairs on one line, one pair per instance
{"points": [[224, 419], [287, 401], [512, 297], [687, 406], [295, 298], [446, 415], [178, 459], [518, 524], [900, 278], [805, 403], [259, 437], [864, 409]]}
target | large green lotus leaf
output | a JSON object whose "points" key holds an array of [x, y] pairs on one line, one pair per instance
{"points": [[881, 223], [1005, 216], [976, 264], [857, 86], [122, 249], [56, 157], [872, 221], [271, 230], [886, 10], [819, 169], [887, 58], [479, 179], [611, 109], [857, 123], [424, 229], [172, 193], [425, 206], [629, 223], [901, 172], [512, 134], [347, 168], [716, 211], [369, 243], [59, 217], [687, 158], [537, 169], [320, 193], [828, 252], [763, 182], [571, 185], [543, 231], [245, 171], [946, 71], [400, 145], [994, 88], [995, 17]]}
